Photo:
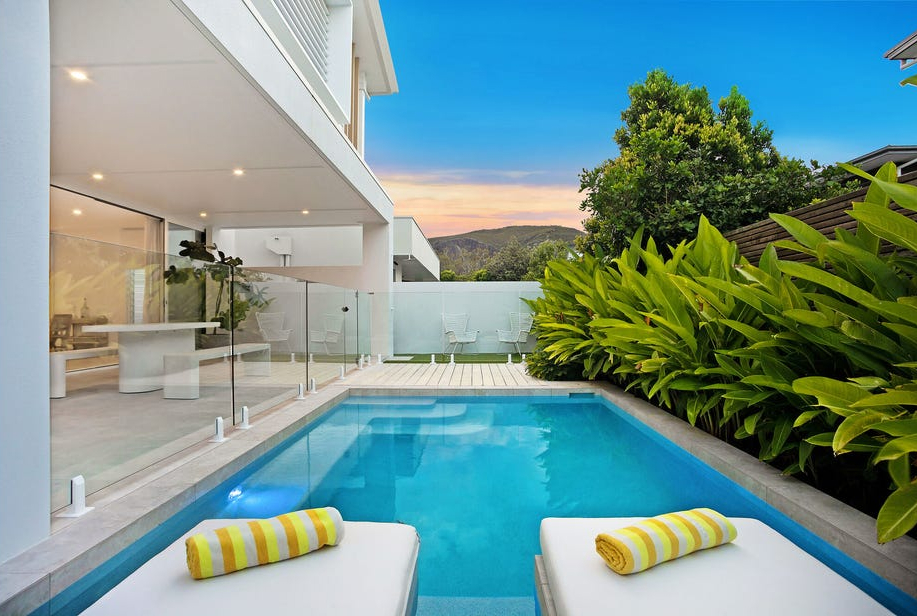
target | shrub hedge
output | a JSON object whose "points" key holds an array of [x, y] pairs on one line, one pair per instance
{"points": [[798, 362]]}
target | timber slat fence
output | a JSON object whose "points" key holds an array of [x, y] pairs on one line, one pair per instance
{"points": [[824, 217]]}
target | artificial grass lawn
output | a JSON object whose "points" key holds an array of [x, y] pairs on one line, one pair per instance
{"points": [[460, 358], [441, 358]]}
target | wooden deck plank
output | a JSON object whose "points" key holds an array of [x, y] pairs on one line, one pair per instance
{"points": [[499, 381], [445, 379], [487, 376], [477, 375]]}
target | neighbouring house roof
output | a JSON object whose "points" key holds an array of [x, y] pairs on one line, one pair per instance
{"points": [[904, 156], [905, 51]]}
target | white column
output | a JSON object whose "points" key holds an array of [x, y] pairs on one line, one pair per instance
{"points": [[377, 277], [25, 128]]}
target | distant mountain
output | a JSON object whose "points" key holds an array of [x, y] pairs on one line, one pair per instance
{"points": [[467, 252]]}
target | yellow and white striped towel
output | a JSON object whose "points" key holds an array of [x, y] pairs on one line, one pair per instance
{"points": [[665, 537], [259, 542]]}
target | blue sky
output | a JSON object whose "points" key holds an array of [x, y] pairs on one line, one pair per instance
{"points": [[503, 103]]}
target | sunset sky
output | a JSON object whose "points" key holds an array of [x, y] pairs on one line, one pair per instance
{"points": [[502, 103]]}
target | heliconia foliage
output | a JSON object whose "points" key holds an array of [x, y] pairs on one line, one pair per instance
{"points": [[797, 355]]}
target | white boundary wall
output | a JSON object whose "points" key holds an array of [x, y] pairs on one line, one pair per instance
{"points": [[418, 308]]}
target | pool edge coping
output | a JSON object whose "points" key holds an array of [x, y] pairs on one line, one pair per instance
{"points": [[32, 579]]}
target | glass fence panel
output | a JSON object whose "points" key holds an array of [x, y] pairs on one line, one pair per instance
{"points": [[123, 330], [327, 331], [269, 341], [365, 308], [351, 330], [148, 350], [420, 310], [417, 312]]}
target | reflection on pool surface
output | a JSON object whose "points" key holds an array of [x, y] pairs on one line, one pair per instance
{"points": [[475, 476]]}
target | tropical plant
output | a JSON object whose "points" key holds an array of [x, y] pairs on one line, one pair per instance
{"points": [[235, 295], [800, 355], [877, 294], [681, 158]]}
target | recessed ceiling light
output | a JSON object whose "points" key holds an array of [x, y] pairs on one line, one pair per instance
{"points": [[305, 211], [203, 214], [77, 212], [97, 176], [238, 171], [78, 75]]}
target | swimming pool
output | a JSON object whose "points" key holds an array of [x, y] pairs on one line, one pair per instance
{"points": [[476, 475]]}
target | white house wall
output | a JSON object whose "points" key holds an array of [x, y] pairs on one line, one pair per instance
{"points": [[311, 246], [373, 275], [25, 458]]}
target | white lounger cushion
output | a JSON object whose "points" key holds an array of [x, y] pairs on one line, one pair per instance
{"points": [[370, 572], [761, 572]]}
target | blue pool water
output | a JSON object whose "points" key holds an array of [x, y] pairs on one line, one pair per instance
{"points": [[475, 476]]}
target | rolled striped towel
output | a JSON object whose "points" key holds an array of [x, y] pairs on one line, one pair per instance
{"points": [[259, 542], [636, 548]]}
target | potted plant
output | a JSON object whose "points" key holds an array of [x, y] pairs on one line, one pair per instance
{"points": [[236, 295]]}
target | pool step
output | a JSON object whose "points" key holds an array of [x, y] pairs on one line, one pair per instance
{"points": [[475, 606]]}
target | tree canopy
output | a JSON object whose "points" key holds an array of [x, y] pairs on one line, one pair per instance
{"points": [[681, 158]]}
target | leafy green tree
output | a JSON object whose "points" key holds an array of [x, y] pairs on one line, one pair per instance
{"points": [[447, 275], [481, 275], [509, 263], [680, 158], [548, 250]]}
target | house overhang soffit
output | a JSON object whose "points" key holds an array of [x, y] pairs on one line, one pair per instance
{"points": [[166, 116]]}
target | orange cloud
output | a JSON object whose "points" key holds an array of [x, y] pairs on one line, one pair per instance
{"points": [[444, 204]]}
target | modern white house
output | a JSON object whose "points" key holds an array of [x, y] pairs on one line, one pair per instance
{"points": [[144, 122]]}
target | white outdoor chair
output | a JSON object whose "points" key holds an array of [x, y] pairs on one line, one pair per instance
{"points": [[457, 333], [271, 326], [331, 334], [520, 324]]}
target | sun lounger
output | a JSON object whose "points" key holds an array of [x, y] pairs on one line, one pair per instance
{"points": [[761, 572], [372, 571]]}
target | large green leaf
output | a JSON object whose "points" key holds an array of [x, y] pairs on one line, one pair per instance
{"points": [[854, 426], [887, 224], [782, 431], [897, 447], [899, 513], [804, 234], [900, 471], [827, 280], [836, 395], [895, 397]]}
